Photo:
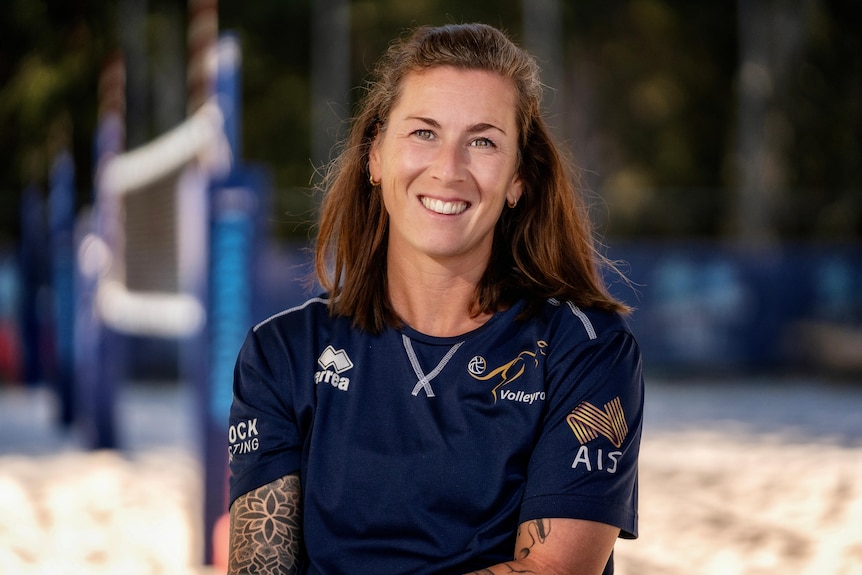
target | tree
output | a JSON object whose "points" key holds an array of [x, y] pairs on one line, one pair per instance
{"points": [[50, 54]]}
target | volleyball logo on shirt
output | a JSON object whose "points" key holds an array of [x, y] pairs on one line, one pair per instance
{"points": [[509, 372], [477, 365]]}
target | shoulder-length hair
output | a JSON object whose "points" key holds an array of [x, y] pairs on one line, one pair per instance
{"points": [[542, 248]]}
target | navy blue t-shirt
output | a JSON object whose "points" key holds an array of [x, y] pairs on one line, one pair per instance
{"points": [[421, 454]]}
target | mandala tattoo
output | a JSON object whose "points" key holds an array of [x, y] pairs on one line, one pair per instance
{"points": [[266, 530]]}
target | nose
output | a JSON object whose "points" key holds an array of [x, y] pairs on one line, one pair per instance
{"points": [[450, 162]]}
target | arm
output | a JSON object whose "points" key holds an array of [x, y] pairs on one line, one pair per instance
{"points": [[266, 530], [558, 547]]}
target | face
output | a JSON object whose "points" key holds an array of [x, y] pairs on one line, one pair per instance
{"points": [[447, 163]]}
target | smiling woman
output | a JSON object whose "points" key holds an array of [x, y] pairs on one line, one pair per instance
{"points": [[447, 163], [488, 407]]}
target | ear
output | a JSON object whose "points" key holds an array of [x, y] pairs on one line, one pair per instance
{"points": [[516, 189], [374, 167]]}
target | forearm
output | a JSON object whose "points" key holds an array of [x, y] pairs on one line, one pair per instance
{"points": [[531, 534], [507, 567], [266, 530], [558, 547]]}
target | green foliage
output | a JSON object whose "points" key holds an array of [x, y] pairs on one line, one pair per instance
{"points": [[50, 53], [659, 77], [822, 106]]}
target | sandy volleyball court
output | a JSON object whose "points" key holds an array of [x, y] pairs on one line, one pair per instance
{"points": [[99, 513], [719, 495], [720, 504]]}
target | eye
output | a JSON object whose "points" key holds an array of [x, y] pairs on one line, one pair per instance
{"points": [[424, 134], [482, 143]]}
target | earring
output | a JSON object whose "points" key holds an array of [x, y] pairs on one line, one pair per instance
{"points": [[512, 203], [373, 183]]}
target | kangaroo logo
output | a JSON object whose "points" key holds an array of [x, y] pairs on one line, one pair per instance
{"points": [[509, 372]]}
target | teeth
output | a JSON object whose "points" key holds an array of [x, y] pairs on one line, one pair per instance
{"points": [[441, 207]]}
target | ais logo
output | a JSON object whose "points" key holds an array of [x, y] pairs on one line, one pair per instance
{"points": [[588, 422]]}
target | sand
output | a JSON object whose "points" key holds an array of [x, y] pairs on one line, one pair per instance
{"points": [[722, 504], [710, 504], [717, 497], [100, 513]]}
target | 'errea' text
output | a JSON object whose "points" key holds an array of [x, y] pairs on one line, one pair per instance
{"points": [[333, 379]]}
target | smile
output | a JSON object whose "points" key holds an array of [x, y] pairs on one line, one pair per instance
{"points": [[441, 207]]}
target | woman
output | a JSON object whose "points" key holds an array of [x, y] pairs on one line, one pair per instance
{"points": [[466, 397]]}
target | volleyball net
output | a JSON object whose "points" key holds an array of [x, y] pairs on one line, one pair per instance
{"points": [[168, 252], [152, 210]]}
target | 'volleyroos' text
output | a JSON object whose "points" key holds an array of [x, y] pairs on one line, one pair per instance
{"points": [[522, 397]]}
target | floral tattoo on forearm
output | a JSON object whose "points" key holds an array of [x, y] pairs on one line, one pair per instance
{"points": [[266, 530]]}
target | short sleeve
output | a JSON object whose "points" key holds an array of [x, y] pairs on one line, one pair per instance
{"points": [[264, 442], [584, 464]]}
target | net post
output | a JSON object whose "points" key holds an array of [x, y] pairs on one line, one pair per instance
{"points": [[233, 234], [61, 208], [202, 39], [98, 348], [31, 258]]}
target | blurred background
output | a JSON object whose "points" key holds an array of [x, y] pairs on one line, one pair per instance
{"points": [[719, 141], [719, 145]]}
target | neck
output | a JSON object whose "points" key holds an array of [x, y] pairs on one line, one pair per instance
{"points": [[433, 298]]}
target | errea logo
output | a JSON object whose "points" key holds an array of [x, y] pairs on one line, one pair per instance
{"points": [[334, 363]]}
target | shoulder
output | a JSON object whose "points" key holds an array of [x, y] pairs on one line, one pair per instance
{"points": [[291, 329], [278, 348], [583, 324], [313, 311]]}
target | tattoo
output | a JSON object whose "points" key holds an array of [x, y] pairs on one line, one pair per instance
{"points": [[266, 530], [530, 534], [537, 531], [506, 565]]}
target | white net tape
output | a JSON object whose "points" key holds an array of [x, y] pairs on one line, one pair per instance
{"points": [[149, 313], [152, 201], [198, 139]]}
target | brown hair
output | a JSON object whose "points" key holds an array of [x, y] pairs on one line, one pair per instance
{"points": [[543, 248]]}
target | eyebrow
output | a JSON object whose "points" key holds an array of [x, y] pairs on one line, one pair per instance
{"points": [[480, 127]]}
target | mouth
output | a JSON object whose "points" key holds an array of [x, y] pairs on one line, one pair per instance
{"points": [[445, 208]]}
